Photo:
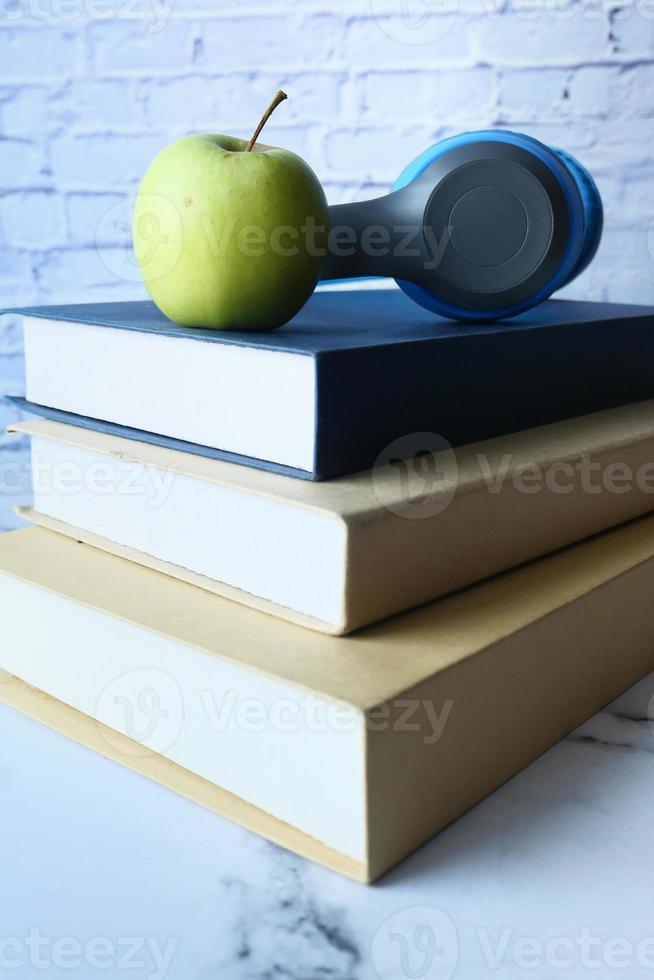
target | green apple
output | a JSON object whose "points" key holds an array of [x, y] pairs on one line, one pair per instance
{"points": [[229, 233]]}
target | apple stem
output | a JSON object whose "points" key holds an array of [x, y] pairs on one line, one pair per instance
{"points": [[264, 119]]}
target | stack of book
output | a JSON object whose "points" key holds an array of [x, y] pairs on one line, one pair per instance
{"points": [[213, 512]]}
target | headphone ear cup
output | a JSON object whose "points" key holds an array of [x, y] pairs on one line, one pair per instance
{"points": [[549, 262], [429, 298], [419, 294], [593, 210], [416, 167]]}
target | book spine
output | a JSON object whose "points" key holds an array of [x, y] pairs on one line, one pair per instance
{"points": [[484, 516], [477, 386]]}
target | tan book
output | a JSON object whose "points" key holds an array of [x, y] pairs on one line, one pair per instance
{"points": [[337, 556], [351, 751]]}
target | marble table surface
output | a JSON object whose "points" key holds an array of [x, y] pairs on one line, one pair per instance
{"points": [[105, 874]]}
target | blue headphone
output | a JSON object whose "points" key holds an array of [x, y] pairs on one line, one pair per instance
{"points": [[479, 227]]}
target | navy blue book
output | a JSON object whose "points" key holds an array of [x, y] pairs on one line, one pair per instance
{"points": [[349, 376]]}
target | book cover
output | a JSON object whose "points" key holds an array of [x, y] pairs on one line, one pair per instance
{"points": [[492, 676], [339, 555], [352, 373]]}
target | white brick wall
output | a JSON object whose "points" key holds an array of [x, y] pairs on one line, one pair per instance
{"points": [[90, 90]]}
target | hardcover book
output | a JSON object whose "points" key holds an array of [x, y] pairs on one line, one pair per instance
{"points": [[337, 556], [326, 394], [351, 751]]}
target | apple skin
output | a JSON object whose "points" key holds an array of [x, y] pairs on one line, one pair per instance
{"points": [[214, 228]]}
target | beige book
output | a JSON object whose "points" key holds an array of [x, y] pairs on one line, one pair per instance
{"points": [[339, 555], [351, 751]]}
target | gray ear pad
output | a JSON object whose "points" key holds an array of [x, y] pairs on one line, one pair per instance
{"points": [[483, 228]]}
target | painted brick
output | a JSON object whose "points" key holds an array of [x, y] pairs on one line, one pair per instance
{"points": [[90, 219], [37, 52], [28, 111], [627, 250], [274, 40], [12, 382], [131, 45], [392, 41], [635, 90], [21, 163], [32, 219], [592, 91], [103, 161], [223, 103], [101, 103], [616, 149], [192, 102], [546, 36], [11, 335], [15, 267], [371, 154], [632, 29], [635, 200], [63, 272], [382, 96], [637, 286], [533, 94]]}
